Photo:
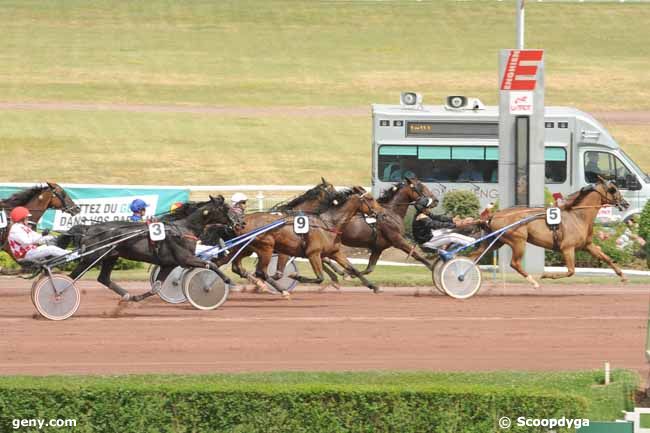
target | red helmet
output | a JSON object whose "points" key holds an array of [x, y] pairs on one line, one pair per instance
{"points": [[19, 213]]}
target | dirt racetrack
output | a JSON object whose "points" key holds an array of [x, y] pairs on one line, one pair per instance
{"points": [[560, 327]]}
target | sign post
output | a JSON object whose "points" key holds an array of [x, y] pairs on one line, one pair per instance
{"points": [[521, 139]]}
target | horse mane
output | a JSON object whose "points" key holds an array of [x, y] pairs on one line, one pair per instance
{"points": [[388, 194], [290, 204], [183, 211], [575, 198], [339, 196], [22, 197]]}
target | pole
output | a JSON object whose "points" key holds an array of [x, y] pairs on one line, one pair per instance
{"points": [[520, 24]]}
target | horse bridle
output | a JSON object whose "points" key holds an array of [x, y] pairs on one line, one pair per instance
{"points": [[365, 201], [66, 208]]}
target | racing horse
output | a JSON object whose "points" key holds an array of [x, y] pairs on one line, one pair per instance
{"points": [[388, 230], [574, 232], [182, 230], [37, 199], [322, 240]]}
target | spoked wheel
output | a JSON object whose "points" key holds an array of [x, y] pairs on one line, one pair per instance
{"points": [[435, 273], [204, 289], [172, 288], [285, 283], [460, 278], [55, 298]]}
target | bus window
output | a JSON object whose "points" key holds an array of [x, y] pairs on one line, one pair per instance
{"points": [[607, 166], [555, 164], [395, 162], [458, 164]]}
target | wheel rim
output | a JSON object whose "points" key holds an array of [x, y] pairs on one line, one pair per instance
{"points": [[460, 278], [172, 288], [53, 305], [437, 268], [204, 289], [285, 283]]}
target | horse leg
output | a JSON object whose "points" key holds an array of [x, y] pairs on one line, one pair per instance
{"points": [[331, 270], [372, 261], [316, 265], [282, 262], [404, 245], [238, 269], [263, 260], [518, 249], [596, 252], [105, 278], [343, 261], [569, 255]]}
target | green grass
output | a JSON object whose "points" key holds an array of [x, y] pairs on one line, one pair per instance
{"points": [[245, 52], [604, 402], [249, 53]]}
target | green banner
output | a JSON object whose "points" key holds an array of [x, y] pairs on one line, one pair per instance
{"points": [[106, 204]]}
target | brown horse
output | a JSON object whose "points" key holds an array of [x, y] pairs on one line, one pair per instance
{"points": [[37, 199], [388, 231], [574, 232], [322, 240]]}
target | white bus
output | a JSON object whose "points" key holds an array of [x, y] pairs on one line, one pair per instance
{"points": [[459, 149]]}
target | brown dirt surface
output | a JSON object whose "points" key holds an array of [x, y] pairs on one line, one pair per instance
{"points": [[508, 327]]}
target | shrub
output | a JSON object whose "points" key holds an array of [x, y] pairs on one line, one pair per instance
{"points": [[644, 222], [462, 203]]}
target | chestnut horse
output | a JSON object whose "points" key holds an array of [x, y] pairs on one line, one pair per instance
{"points": [[322, 240], [574, 232]]}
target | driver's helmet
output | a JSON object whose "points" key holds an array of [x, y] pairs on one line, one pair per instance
{"points": [[19, 213], [238, 197], [138, 205]]}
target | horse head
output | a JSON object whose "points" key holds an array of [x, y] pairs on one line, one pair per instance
{"points": [[219, 212], [610, 194], [61, 200], [417, 190], [368, 204]]}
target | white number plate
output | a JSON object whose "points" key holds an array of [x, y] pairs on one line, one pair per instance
{"points": [[553, 216], [371, 220], [301, 224], [157, 232], [3, 219]]}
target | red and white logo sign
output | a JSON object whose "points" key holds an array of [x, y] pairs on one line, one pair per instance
{"points": [[521, 70], [521, 103]]}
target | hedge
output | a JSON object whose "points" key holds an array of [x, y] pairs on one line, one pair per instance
{"points": [[297, 408]]}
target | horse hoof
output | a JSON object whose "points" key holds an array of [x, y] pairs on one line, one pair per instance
{"points": [[286, 295], [293, 276], [624, 280], [125, 297], [156, 288], [377, 290]]}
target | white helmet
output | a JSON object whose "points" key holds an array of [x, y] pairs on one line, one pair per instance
{"points": [[238, 197]]}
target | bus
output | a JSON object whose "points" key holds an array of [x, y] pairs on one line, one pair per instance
{"points": [[450, 148]]}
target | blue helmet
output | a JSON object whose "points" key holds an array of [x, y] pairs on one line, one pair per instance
{"points": [[138, 205]]}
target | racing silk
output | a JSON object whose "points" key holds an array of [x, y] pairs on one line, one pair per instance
{"points": [[423, 224], [22, 239]]}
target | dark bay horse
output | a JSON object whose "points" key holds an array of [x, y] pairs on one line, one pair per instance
{"points": [[574, 233], [388, 231], [322, 240], [177, 249]]}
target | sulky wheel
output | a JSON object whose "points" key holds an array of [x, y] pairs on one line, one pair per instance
{"points": [[55, 297], [285, 283], [438, 263], [204, 288], [172, 288], [460, 278]]}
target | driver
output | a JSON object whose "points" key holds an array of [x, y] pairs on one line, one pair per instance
{"points": [[425, 222], [25, 243], [238, 202], [139, 208]]}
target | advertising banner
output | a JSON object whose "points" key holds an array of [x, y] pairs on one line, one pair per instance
{"points": [[100, 204]]}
